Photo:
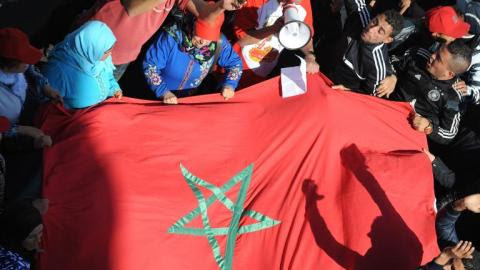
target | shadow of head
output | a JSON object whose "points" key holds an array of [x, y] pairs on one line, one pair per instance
{"points": [[388, 235]]}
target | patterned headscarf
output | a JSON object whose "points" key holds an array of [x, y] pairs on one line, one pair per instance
{"points": [[184, 40]]}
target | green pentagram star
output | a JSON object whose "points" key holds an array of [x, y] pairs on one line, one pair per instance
{"points": [[264, 222]]}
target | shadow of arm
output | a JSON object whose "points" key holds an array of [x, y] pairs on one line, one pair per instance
{"points": [[342, 255]]}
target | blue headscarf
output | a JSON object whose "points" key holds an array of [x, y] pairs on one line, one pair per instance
{"points": [[84, 48]]}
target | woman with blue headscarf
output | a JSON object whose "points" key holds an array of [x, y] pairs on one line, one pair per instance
{"points": [[81, 67]]}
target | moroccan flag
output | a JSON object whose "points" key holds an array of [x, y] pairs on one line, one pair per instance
{"points": [[325, 180]]}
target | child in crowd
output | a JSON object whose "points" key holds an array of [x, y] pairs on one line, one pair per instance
{"points": [[21, 85]]}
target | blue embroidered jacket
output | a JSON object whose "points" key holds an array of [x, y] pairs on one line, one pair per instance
{"points": [[12, 261], [167, 68]]}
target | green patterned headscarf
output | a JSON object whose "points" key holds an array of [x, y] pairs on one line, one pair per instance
{"points": [[184, 40]]}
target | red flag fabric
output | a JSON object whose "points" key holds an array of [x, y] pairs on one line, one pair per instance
{"points": [[325, 180]]}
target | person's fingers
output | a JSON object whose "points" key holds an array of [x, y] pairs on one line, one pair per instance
{"points": [[464, 246], [227, 94], [49, 140], [469, 254], [460, 87], [46, 141], [458, 246], [382, 91], [470, 248], [467, 246], [340, 87]]}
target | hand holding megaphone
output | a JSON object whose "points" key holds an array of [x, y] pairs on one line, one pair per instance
{"points": [[278, 24]]}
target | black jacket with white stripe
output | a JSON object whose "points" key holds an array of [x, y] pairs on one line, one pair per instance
{"points": [[362, 66], [472, 76], [471, 12], [433, 99]]}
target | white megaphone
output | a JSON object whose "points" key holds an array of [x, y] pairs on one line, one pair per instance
{"points": [[294, 34]]}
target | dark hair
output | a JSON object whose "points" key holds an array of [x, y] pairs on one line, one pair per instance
{"points": [[474, 263], [16, 223], [461, 56], [395, 20], [6, 63]]}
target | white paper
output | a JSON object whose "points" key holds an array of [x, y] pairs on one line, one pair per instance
{"points": [[294, 79]]}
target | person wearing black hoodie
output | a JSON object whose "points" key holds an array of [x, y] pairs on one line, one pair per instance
{"points": [[20, 234]]}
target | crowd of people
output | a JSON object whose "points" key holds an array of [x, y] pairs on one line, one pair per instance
{"points": [[426, 53]]}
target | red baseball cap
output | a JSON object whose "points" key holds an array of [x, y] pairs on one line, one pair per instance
{"points": [[4, 124], [445, 20], [14, 44], [207, 30]]}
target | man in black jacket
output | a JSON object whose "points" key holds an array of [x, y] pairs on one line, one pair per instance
{"points": [[364, 64], [426, 80]]}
